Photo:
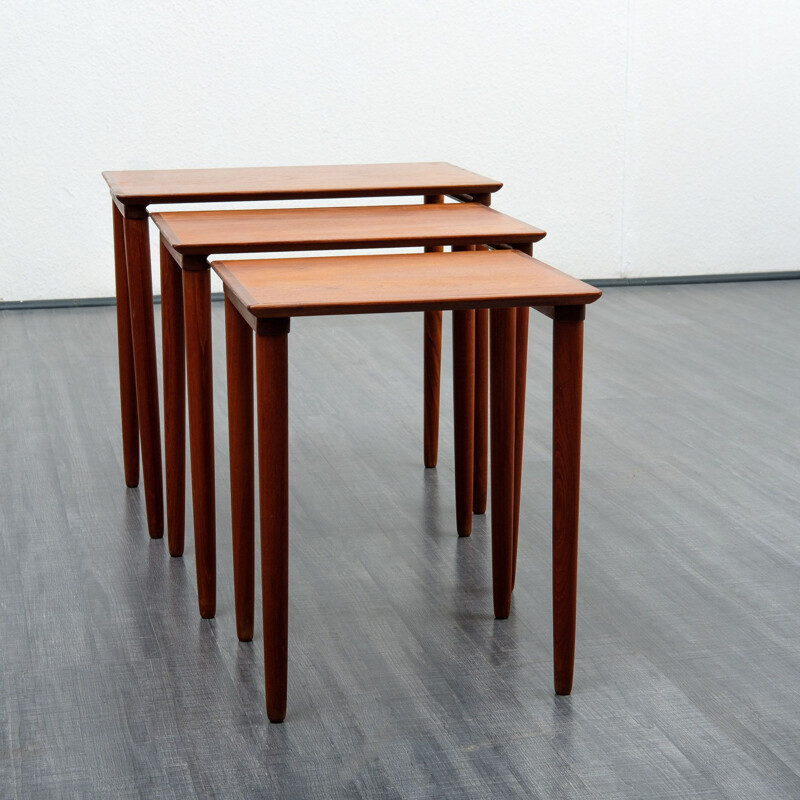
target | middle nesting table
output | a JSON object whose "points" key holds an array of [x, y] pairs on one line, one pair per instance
{"points": [[189, 238]]}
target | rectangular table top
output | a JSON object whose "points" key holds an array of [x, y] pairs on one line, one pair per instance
{"points": [[282, 229], [142, 187], [294, 287]]}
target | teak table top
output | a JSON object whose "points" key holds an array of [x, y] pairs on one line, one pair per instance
{"points": [[142, 187], [294, 287], [276, 230]]}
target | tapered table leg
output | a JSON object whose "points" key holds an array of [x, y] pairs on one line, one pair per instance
{"points": [[464, 415], [433, 366], [140, 293], [174, 369], [432, 356], [127, 375], [197, 315], [523, 315], [502, 380], [567, 382], [273, 483], [239, 345], [481, 456], [480, 477]]}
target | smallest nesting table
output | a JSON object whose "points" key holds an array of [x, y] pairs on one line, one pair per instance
{"points": [[263, 295]]}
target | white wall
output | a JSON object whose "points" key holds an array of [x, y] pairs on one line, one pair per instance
{"points": [[647, 138]]}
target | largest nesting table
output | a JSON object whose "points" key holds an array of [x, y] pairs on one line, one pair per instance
{"points": [[187, 241], [132, 191]]}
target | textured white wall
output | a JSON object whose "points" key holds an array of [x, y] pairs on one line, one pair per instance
{"points": [[648, 138], [712, 171]]}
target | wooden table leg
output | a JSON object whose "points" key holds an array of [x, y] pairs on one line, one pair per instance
{"points": [[432, 356], [481, 455], [140, 293], [480, 474], [239, 346], [502, 384], [127, 376], [197, 315], [567, 382], [273, 490], [174, 367], [433, 366], [523, 316], [464, 415]]}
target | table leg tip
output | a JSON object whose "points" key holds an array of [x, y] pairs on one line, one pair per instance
{"points": [[464, 526], [502, 610], [563, 687]]}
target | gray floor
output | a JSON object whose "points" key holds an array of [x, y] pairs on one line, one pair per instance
{"points": [[401, 684]]}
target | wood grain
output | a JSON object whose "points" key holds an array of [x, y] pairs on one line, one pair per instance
{"points": [[281, 229], [406, 282], [140, 294], [142, 187], [127, 374], [174, 371]]}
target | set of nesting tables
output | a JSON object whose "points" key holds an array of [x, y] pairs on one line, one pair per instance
{"points": [[489, 281]]}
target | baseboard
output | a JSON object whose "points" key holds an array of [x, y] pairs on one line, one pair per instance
{"points": [[80, 302], [672, 280], [669, 280]]}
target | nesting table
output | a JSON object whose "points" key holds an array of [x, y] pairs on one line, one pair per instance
{"points": [[132, 191], [489, 281], [262, 296], [189, 238]]}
